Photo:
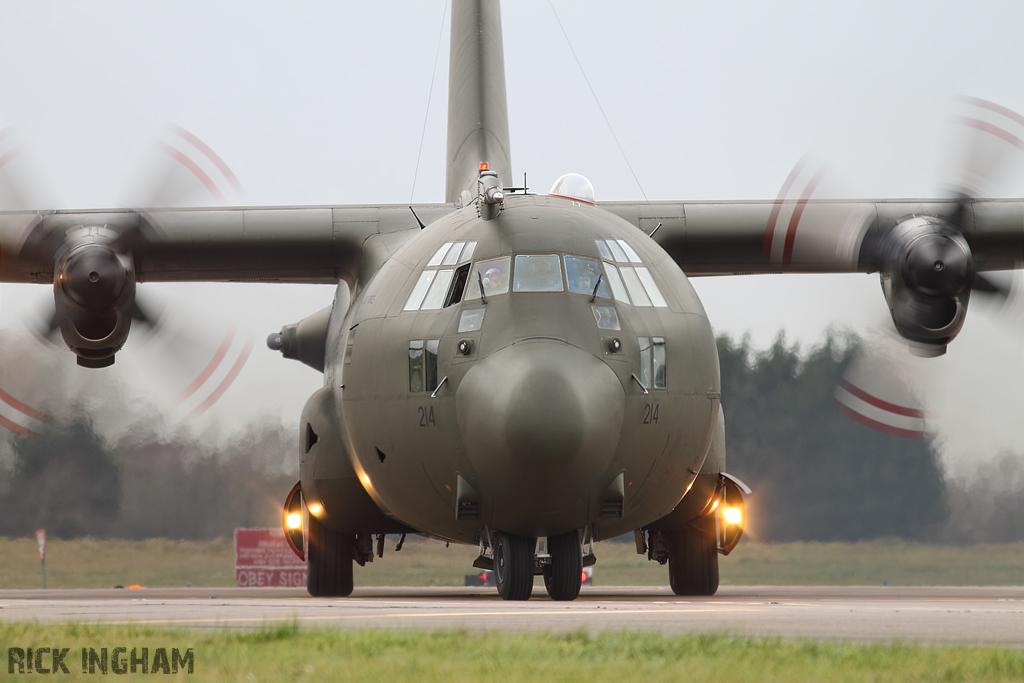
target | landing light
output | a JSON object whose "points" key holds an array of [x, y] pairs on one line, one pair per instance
{"points": [[733, 515], [294, 520], [315, 509]]}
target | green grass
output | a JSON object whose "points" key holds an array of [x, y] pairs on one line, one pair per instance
{"points": [[290, 653], [90, 563]]}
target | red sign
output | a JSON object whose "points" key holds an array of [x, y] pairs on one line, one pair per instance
{"points": [[263, 559]]}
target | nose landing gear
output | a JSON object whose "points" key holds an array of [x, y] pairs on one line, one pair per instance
{"points": [[564, 576], [515, 560], [513, 566]]}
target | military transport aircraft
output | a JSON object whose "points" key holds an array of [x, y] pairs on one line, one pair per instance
{"points": [[528, 373]]}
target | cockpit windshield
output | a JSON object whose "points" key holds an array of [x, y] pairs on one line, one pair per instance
{"points": [[537, 273], [489, 276], [585, 277]]}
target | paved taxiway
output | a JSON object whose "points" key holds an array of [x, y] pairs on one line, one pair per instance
{"points": [[967, 615]]}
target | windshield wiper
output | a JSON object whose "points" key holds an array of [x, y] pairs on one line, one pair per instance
{"points": [[480, 281], [594, 295]]}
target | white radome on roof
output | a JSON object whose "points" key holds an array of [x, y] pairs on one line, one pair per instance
{"points": [[573, 186]]}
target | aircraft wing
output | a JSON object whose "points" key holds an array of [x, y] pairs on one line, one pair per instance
{"points": [[817, 236], [281, 244]]}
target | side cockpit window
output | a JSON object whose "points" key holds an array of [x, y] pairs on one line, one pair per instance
{"points": [[629, 279], [423, 365], [439, 285], [653, 362], [458, 286]]}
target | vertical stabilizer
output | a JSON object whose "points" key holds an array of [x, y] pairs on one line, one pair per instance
{"points": [[477, 108]]}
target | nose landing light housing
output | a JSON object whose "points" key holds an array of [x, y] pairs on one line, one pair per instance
{"points": [[728, 506], [292, 521]]}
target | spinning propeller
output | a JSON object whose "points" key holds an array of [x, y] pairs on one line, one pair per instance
{"points": [[928, 274], [95, 295]]}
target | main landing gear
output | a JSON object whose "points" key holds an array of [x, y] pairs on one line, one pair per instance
{"points": [[691, 549], [329, 562], [693, 559], [517, 559]]}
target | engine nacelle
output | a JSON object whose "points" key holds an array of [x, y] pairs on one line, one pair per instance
{"points": [[306, 340], [94, 299], [926, 278]]}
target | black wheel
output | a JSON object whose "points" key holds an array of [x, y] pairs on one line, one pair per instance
{"points": [[513, 566], [564, 576], [329, 562], [693, 559]]}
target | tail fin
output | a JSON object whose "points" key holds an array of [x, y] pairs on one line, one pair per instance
{"points": [[477, 107]]}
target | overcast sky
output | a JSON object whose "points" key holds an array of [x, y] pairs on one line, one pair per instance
{"points": [[323, 103]]}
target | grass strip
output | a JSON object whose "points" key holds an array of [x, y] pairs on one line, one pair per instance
{"points": [[289, 653], [92, 563]]}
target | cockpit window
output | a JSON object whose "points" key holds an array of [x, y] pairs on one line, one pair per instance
{"points": [[438, 290], [491, 275], [452, 253], [618, 289], [458, 286], [645, 361], [537, 273], [653, 368], [650, 287], [583, 275], [606, 318], [636, 289], [423, 366], [618, 251], [435, 260], [420, 290], [472, 320], [630, 254]]}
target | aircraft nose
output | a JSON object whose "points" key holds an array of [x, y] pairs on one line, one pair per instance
{"points": [[540, 421]]}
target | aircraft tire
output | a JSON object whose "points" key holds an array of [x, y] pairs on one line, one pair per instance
{"points": [[564, 576], [513, 566], [693, 560], [328, 562]]}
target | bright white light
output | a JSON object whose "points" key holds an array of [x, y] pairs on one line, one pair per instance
{"points": [[294, 520], [733, 515]]}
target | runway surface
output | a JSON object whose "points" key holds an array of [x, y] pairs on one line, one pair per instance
{"points": [[947, 615]]}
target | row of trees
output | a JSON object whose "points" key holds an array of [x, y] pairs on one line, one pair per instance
{"points": [[73, 482]]}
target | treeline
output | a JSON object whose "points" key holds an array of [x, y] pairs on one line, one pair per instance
{"points": [[74, 483], [818, 475]]}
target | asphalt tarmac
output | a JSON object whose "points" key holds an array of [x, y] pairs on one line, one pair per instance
{"points": [[939, 615]]}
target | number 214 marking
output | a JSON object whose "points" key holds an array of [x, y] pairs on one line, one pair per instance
{"points": [[651, 414], [426, 416]]}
